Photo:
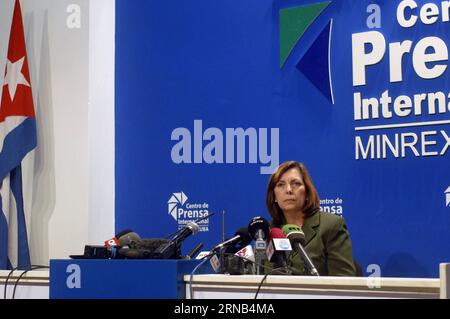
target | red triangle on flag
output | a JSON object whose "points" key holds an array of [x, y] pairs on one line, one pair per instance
{"points": [[17, 97]]}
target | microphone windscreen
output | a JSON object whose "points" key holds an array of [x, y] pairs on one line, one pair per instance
{"points": [[276, 233], [123, 232], [128, 238], [258, 223], [294, 233]]}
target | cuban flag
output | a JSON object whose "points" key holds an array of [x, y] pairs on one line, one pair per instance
{"points": [[17, 138]]}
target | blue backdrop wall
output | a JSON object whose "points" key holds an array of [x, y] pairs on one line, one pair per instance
{"points": [[212, 95]]}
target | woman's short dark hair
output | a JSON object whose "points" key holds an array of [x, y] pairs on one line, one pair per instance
{"points": [[312, 203]]}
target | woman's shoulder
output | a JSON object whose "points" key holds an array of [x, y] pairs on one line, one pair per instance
{"points": [[329, 220]]}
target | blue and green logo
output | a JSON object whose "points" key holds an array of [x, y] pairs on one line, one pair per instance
{"points": [[315, 63]]}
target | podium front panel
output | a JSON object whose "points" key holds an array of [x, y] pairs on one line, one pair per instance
{"points": [[88, 278]]}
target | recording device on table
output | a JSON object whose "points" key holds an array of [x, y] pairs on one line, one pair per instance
{"points": [[128, 245]]}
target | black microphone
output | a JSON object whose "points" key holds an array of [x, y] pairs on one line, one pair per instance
{"points": [[295, 234], [279, 249], [259, 231], [191, 228], [259, 228], [171, 250], [242, 237], [194, 251]]}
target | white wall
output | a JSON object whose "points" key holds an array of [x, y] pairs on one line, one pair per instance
{"points": [[69, 178], [101, 120]]}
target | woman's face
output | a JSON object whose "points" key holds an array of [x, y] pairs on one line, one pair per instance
{"points": [[290, 191]]}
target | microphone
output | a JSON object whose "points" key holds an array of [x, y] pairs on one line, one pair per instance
{"points": [[127, 237], [259, 231], [118, 240], [108, 251], [242, 237], [171, 250], [194, 251], [278, 249], [258, 228], [124, 245], [191, 228], [112, 242], [297, 237], [132, 246]]}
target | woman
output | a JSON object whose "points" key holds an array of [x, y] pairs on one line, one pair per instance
{"points": [[292, 199]]}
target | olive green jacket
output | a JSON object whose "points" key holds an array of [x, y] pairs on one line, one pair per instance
{"points": [[328, 245]]}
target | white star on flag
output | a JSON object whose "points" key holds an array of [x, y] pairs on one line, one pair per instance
{"points": [[14, 76]]}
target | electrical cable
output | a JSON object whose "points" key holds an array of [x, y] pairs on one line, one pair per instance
{"points": [[33, 267], [191, 292], [265, 276], [7, 279]]}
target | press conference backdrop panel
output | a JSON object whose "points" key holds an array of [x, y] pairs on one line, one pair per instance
{"points": [[212, 95]]}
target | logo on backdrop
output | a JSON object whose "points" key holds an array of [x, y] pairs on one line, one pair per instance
{"points": [[399, 124], [333, 206], [294, 24], [447, 197], [184, 212], [388, 123]]}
